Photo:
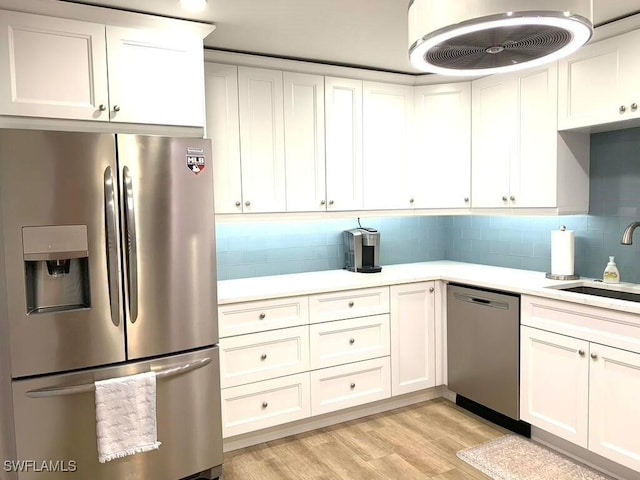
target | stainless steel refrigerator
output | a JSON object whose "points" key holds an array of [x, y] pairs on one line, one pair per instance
{"points": [[107, 269]]}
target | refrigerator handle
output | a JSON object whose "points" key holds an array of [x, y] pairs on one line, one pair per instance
{"points": [[90, 387], [132, 250], [111, 244]]}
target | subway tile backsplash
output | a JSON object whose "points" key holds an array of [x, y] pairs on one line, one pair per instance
{"points": [[248, 250]]}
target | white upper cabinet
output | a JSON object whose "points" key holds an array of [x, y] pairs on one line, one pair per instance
{"points": [[304, 142], [599, 83], [223, 128], [494, 130], [58, 68], [262, 139], [155, 77], [519, 158], [387, 135], [343, 115], [441, 169], [52, 67]]}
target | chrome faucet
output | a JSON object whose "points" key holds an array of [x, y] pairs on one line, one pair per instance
{"points": [[627, 236]]}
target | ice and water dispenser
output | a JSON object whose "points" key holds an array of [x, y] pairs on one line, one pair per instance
{"points": [[56, 260]]}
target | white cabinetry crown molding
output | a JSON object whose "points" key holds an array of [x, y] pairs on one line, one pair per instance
{"points": [[108, 16]]}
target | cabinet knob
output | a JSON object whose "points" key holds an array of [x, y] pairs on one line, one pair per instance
{"points": [[634, 107], [351, 304], [262, 316], [330, 202], [581, 353], [263, 356], [102, 107], [594, 356], [238, 203], [265, 404], [322, 202], [504, 199], [431, 289], [622, 109], [411, 200], [466, 199], [353, 385], [247, 203], [352, 341], [116, 108], [512, 198]]}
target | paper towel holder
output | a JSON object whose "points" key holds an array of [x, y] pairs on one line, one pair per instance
{"points": [[553, 276]]}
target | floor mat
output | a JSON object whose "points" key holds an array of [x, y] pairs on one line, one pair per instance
{"points": [[513, 457]]}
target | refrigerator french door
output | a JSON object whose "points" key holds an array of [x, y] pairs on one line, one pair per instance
{"points": [[108, 268]]}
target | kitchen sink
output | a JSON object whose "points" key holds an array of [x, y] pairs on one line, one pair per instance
{"points": [[602, 292]]}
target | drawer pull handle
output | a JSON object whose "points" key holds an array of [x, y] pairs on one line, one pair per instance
{"points": [[262, 316], [265, 404], [581, 353], [263, 356], [594, 356], [352, 341], [351, 304], [353, 385]]}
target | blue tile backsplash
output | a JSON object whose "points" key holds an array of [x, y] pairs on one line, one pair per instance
{"points": [[257, 249]]}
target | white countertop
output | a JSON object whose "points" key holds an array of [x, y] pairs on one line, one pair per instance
{"points": [[485, 276]]}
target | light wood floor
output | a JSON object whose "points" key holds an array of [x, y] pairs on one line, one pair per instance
{"points": [[412, 443]]}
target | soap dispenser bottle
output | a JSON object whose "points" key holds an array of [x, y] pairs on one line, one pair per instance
{"points": [[611, 273]]}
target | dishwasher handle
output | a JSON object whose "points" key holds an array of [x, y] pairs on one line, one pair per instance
{"points": [[486, 302]]}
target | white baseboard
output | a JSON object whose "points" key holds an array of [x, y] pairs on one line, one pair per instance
{"points": [[320, 421]]}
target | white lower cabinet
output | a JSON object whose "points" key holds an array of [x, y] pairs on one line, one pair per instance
{"points": [[344, 341], [577, 389], [614, 405], [249, 358], [349, 385], [413, 357], [264, 404], [554, 392]]}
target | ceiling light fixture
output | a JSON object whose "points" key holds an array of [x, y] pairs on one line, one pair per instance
{"points": [[194, 5], [471, 37]]}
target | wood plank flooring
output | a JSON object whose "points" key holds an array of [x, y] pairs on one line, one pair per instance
{"points": [[418, 442]]}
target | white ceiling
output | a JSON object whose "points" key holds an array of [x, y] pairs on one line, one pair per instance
{"points": [[367, 33]]}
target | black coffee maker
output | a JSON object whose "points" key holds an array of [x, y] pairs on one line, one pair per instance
{"points": [[362, 250]]}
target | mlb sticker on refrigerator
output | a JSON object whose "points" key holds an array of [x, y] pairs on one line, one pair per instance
{"points": [[195, 159]]}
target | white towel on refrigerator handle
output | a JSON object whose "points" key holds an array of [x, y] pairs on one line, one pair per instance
{"points": [[126, 416]]}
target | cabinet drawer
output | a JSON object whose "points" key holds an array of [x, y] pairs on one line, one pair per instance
{"points": [[352, 340], [260, 356], [350, 385], [251, 317], [348, 304], [265, 404]]}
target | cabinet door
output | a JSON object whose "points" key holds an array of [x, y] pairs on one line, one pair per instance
{"points": [[52, 67], [262, 139], [343, 111], [304, 142], [493, 131], [533, 172], [590, 85], [614, 397], [387, 135], [155, 77], [223, 128], [413, 358], [441, 168], [554, 383]]}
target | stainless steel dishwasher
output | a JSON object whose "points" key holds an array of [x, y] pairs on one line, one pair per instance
{"points": [[483, 352]]}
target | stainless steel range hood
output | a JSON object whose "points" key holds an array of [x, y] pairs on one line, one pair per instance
{"points": [[471, 37]]}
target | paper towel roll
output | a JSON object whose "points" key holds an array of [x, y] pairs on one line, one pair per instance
{"points": [[562, 252]]}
